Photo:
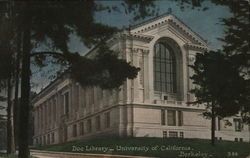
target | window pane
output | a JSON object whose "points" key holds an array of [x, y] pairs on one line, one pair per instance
{"points": [[157, 86], [164, 87], [163, 77], [171, 118], [157, 66], [164, 68], [157, 76]]}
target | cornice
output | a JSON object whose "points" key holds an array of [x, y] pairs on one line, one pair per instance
{"points": [[140, 50], [139, 37], [171, 20], [51, 89], [187, 31], [195, 46]]}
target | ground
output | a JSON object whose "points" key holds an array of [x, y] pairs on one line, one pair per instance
{"points": [[158, 147]]}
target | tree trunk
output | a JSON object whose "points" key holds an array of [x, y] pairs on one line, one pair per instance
{"points": [[10, 129], [213, 127], [15, 110], [25, 91]]}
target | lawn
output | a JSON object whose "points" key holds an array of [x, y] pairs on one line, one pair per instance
{"points": [[10, 156], [158, 147]]}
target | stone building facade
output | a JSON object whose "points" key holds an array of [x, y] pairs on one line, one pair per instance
{"points": [[152, 105]]}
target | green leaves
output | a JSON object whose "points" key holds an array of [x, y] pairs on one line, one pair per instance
{"points": [[104, 70], [219, 82]]}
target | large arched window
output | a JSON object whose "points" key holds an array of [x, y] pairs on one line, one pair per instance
{"points": [[164, 68]]}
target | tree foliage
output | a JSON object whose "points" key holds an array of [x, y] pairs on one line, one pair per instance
{"points": [[105, 70], [6, 60], [228, 70], [220, 82], [50, 23]]}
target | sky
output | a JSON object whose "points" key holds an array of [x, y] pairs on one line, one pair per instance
{"points": [[206, 23]]}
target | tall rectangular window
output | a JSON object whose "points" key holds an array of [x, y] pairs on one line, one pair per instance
{"points": [[219, 125], [98, 123], [48, 139], [164, 68], [53, 137], [180, 118], [66, 103], [238, 125], [171, 118], [89, 125], [163, 117], [44, 140], [74, 132], [81, 128], [107, 119]]}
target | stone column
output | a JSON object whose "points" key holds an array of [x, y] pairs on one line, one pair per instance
{"points": [[95, 100], [190, 72], [166, 117], [35, 121], [77, 97], [46, 115], [176, 117], [130, 121], [81, 97], [42, 116], [125, 95], [49, 114], [84, 102], [135, 82], [55, 111], [122, 121], [75, 100], [140, 76], [59, 106], [71, 102], [146, 75], [38, 120], [142, 63]]}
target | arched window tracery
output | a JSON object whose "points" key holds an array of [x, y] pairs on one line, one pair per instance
{"points": [[164, 68]]}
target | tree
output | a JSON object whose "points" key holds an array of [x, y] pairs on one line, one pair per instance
{"points": [[236, 46], [6, 79], [43, 21], [219, 86], [3, 133]]}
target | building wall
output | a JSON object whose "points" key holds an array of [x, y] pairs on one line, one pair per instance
{"points": [[136, 109]]}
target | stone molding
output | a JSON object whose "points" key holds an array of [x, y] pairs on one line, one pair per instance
{"points": [[192, 46], [172, 21]]}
